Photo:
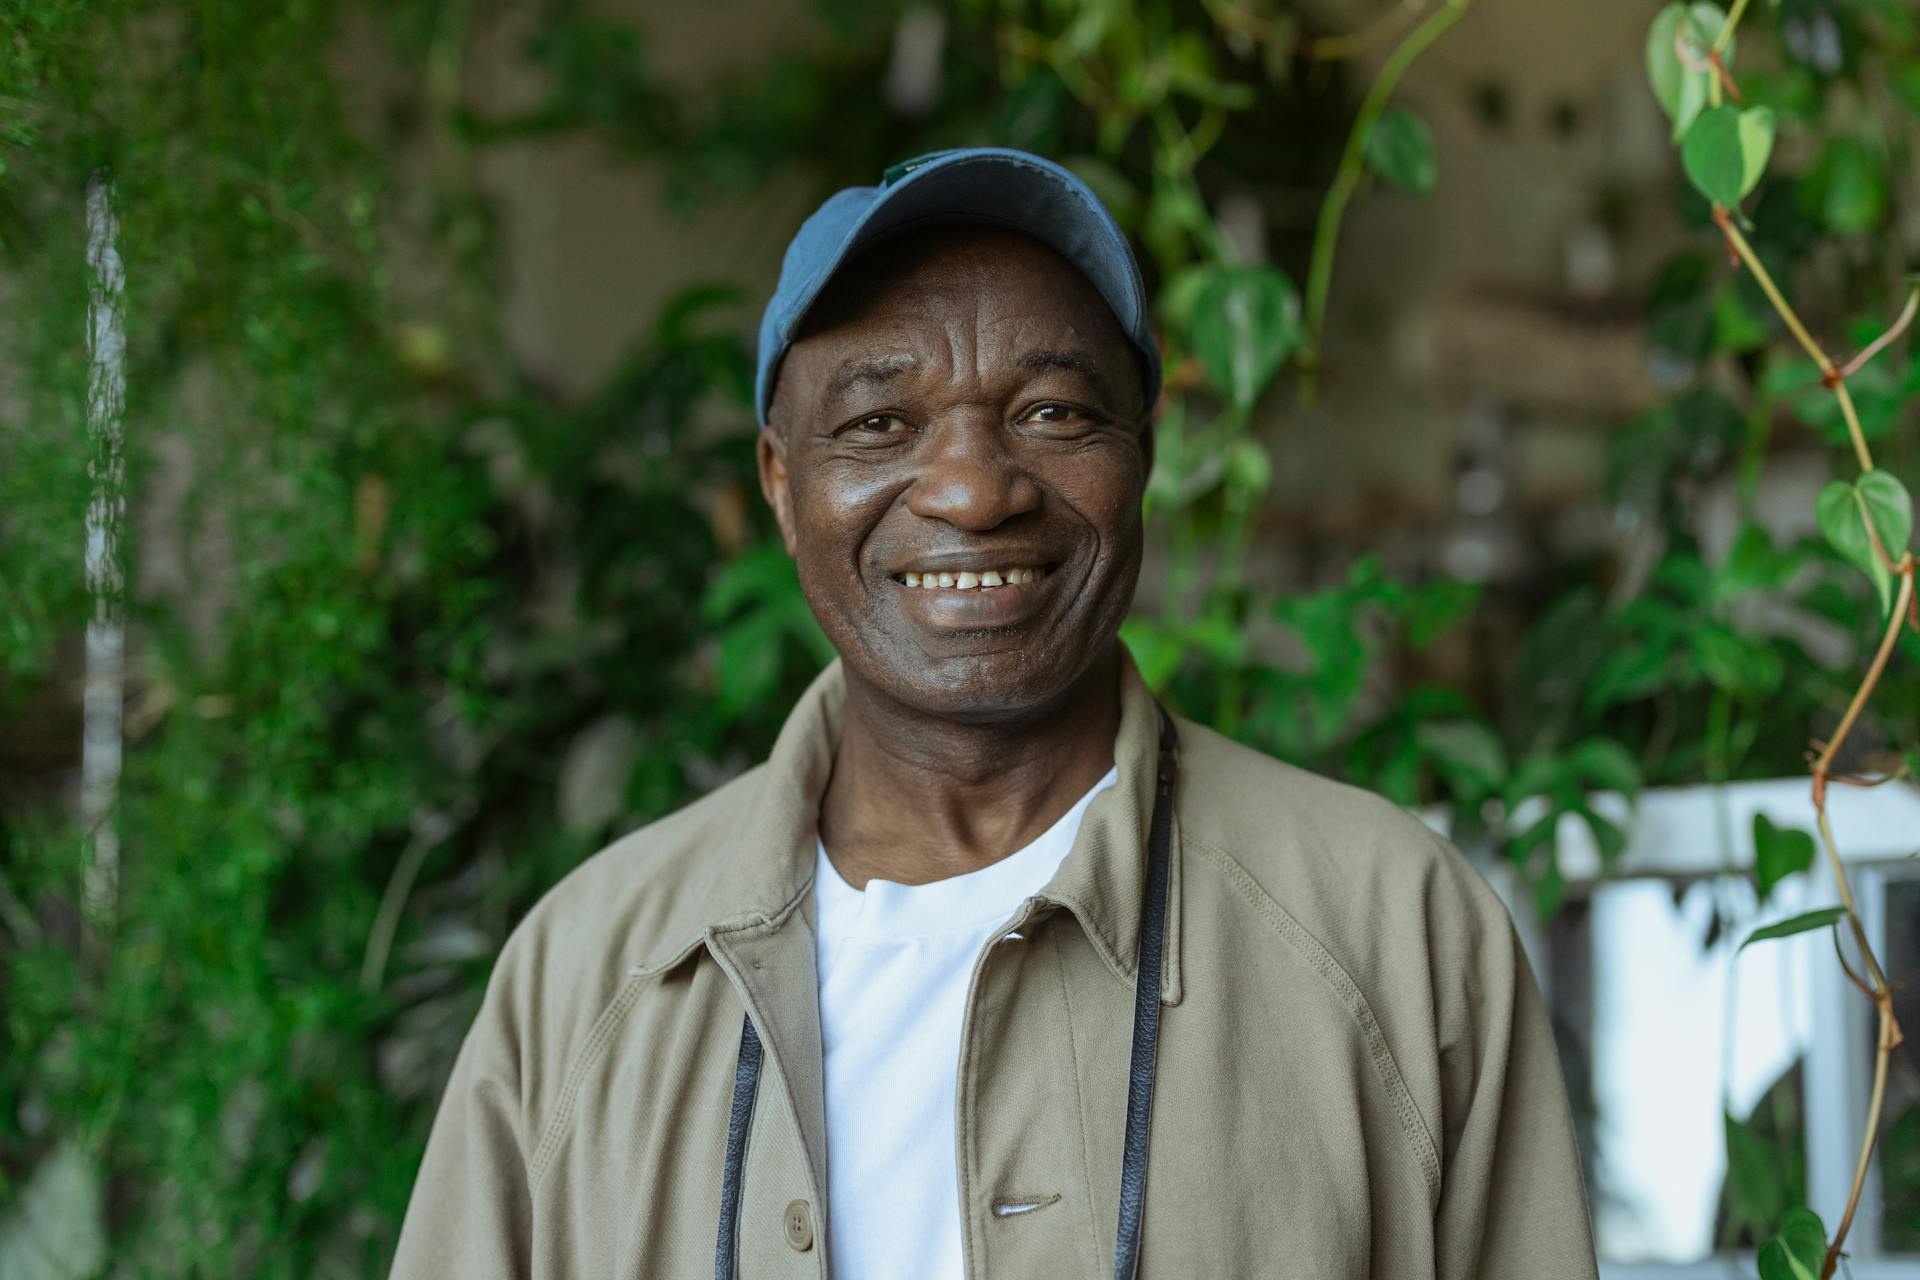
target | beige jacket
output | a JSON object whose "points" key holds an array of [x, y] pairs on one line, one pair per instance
{"points": [[1356, 1076]]}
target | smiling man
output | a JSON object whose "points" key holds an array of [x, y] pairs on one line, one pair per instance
{"points": [[994, 968]]}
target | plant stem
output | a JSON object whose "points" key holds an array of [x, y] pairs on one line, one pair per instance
{"points": [[1334, 48], [1346, 178], [1828, 373], [1883, 1051], [1879, 344], [373, 965], [1824, 764], [1725, 37], [1881, 992]]}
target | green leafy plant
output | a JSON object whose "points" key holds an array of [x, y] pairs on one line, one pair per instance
{"points": [[1868, 521]]}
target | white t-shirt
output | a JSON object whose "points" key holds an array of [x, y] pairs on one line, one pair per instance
{"points": [[895, 961]]}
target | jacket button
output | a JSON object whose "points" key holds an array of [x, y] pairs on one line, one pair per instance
{"points": [[799, 1226]]}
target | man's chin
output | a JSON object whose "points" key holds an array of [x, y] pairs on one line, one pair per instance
{"points": [[996, 684]]}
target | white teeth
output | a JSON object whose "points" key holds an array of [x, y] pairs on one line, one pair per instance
{"points": [[972, 579]]}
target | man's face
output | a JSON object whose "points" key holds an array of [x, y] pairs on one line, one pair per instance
{"points": [[962, 408]]}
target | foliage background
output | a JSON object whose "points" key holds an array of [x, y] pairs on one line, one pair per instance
{"points": [[414, 628]]}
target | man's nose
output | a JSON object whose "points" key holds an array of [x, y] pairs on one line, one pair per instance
{"points": [[969, 477]]}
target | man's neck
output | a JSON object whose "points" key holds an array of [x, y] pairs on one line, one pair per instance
{"points": [[916, 798]]}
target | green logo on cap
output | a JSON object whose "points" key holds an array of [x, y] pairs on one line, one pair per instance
{"points": [[895, 172]]}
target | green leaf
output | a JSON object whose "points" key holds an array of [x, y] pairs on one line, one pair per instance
{"points": [[1604, 764], [1249, 470], [1607, 835], [1802, 923], [1752, 564], [1635, 669], [1741, 665], [1541, 833], [1683, 92], [1778, 852], [1904, 81], [1756, 145], [1725, 151], [1890, 507], [1400, 149], [1847, 186], [1156, 650], [1778, 1263], [1756, 1187], [1791, 90], [1805, 1237], [1246, 322], [1434, 607], [1549, 889], [1466, 751], [1537, 774], [1844, 511], [1737, 327]]}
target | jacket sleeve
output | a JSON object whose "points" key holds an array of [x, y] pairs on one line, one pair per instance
{"points": [[1511, 1201], [471, 1214]]}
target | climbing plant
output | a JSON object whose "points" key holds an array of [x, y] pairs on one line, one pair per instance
{"points": [[1867, 519]]}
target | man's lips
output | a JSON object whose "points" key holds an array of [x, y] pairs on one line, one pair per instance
{"points": [[974, 593]]}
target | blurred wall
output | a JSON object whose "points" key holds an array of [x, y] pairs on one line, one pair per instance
{"points": [[1496, 316]]}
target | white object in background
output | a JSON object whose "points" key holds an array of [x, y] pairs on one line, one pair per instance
{"points": [[105, 680]]}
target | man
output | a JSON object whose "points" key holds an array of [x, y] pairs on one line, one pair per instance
{"points": [[993, 969]]}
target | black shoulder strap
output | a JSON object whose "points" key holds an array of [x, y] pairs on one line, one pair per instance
{"points": [[1150, 966], [746, 1084]]}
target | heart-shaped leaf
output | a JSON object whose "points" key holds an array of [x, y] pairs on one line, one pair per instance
{"points": [[1726, 150], [1246, 322], [1802, 923], [1400, 149], [1844, 512], [1778, 852], [1798, 1251]]}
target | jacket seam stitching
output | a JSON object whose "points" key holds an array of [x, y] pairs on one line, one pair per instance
{"points": [[553, 1133], [1412, 1124], [973, 1239], [1079, 1093]]}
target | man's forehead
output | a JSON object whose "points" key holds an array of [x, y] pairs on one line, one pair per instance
{"points": [[883, 364], [905, 273]]}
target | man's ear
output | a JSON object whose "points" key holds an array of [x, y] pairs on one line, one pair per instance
{"points": [[1146, 449], [771, 452]]}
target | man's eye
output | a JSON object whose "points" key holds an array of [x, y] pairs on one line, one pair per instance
{"points": [[1055, 414], [879, 424]]}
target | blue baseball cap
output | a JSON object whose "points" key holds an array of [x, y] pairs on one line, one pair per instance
{"points": [[994, 185]]}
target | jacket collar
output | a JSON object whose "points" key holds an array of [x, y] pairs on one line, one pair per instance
{"points": [[763, 868]]}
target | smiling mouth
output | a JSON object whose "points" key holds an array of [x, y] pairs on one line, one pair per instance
{"points": [[974, 579]]}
